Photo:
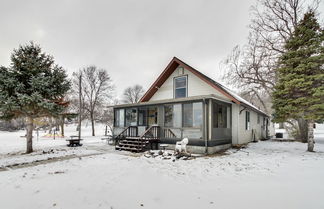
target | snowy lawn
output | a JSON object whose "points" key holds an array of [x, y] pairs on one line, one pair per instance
{"points": [[13, 146], [264, 175], [12, 142]]}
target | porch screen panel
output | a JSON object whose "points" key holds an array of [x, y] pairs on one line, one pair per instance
{"points": [[187, 115], [172, 115], [131, 117], [192, 114], [142, 115], [197, 114], [221, 119], [221, 116], [119, 118], [168, 115], [177, 115]]}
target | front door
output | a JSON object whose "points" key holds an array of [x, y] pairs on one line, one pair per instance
{"points": [[152, 116]]}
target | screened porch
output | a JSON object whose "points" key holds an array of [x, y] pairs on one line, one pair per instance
{"points": [[198, 119]]}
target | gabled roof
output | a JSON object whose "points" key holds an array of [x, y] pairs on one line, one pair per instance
{"points": [[174, 64]]}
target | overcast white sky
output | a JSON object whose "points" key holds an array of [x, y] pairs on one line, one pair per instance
{"points": [[133, 39]]}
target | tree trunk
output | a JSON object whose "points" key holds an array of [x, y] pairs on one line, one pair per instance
{"points": [[62, 125], [303, 130], [29, 134], [310, 140], [51, 124], [92, 124]]}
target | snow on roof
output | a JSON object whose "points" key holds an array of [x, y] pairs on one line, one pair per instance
{"points": [[243, 100]]}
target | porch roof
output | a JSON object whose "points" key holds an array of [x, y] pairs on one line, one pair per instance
{"points": [[187, 99], [166, 101]]}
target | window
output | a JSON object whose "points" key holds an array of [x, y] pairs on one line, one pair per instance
{"points": [[131, 117], [247, 120], [221, 116], [172, 115], [258, 119], [192, 114], [119, 118], [180, 87]]}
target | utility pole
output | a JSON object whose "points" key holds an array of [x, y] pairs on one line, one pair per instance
{"points": [[80, 103]]}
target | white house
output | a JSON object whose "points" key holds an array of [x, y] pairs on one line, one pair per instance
{"points": [[183, 102]]}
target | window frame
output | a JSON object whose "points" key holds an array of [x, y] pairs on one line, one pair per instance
{"points": [[247, 120], [174, 86], [131, 116], [172, 115], [145, 116], [226, 115], [117, 119], [192, 114]]}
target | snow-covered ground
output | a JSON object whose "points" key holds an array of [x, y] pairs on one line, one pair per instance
{"points": [[16, 142], [266, 174]]}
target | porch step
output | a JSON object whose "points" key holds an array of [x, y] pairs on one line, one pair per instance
{"points": [[123, 144], [134, 142], [132, 138], [129, 149]]}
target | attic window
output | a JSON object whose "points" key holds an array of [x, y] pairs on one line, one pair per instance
{"points": [[180, 87]]}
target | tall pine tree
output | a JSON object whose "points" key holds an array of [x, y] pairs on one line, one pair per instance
{"points": [[299, 91], [32, 86]]}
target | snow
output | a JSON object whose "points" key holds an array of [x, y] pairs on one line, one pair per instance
{"points": [[318, 131], [16, 142], [239, 98], [267, 174]]}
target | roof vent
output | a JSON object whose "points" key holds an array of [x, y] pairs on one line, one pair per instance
{"points": [[181, 70]]}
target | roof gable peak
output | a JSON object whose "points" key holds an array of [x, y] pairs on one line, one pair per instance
{"points": [[174, 64]]}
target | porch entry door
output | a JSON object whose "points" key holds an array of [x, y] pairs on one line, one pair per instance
{"points": [[152, 116]]}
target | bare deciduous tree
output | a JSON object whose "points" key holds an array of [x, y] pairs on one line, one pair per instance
{"points": [[251, 68], [133, 94], [97, 89]]}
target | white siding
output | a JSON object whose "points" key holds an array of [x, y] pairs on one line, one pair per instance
{"points": [[235, 123], [196, 87], [245, 136]]}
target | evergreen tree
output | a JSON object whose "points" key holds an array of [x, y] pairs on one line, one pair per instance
{"points": [[299, 91], [32, 86]]}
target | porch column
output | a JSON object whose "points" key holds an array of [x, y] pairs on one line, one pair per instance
{"points": [[205, 124], [210, 114]]}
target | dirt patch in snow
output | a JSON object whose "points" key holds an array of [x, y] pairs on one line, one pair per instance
{"points": [[43, 157]]}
